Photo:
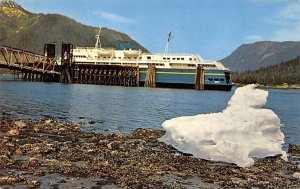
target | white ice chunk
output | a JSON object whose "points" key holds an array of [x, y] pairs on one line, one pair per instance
{"points": [[242, 131]]}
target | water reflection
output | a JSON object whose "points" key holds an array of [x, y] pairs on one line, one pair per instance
{"points": [[113, 109]]}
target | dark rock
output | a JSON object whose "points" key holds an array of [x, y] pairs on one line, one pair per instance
{"points": [[92, 122], [294, 149]]}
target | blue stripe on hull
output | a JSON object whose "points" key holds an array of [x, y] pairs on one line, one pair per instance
{"points": [[187, 77]]}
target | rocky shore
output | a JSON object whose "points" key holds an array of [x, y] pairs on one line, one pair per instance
{"points": [[50, 154]]}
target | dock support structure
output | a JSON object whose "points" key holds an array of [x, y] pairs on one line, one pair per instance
{"points": [[117, 75], [199, 78], [16, 75], [38, 77], [67, 65], [150, 80]]}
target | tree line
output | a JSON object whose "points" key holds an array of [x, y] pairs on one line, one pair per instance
{"points": [[285, 72]]}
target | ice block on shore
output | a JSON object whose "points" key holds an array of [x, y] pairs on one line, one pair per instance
{"points": [[237, 134]]}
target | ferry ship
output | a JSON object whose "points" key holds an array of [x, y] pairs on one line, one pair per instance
{"points": [[172, 70]]}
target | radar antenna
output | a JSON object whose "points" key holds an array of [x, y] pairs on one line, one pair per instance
{"points": [[98, 43], [167, 49]]}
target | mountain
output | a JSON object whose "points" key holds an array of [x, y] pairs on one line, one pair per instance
{"points": [[286, 72], [261, 54], [25, 30]]}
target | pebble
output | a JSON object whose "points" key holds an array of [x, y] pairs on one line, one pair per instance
{"points": [[13, 132], [296, 175], [33, 184], [20, 124]]}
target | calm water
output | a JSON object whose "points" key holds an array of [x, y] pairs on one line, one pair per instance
{"points": [[113, 109]]}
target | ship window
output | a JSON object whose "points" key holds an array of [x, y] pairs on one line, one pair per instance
{"points": [[168, 58], [209, 65], [210, 79], [191, 65], [135, 57], [216, 79], [148, 57], [164, 58], [221, 79], [182, 58], [174, 58], [190, 59], [178, 58]]}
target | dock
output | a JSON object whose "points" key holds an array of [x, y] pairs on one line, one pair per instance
{"points": [[30, 66]]}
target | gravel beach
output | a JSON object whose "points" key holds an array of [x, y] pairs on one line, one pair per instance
{"points": [[50, 154]]}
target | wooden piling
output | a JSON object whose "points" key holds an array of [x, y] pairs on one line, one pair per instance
{"points": [[150, 80], [199, 78], [138, 77], [202, 78]]}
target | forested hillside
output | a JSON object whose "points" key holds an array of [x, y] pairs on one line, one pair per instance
{"points": [[261, 54], [286, 72]]}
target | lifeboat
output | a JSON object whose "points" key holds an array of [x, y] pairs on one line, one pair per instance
{"points": [[133, 53], [103, 52]]}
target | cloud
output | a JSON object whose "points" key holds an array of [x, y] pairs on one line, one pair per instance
{"points": [[264, 2], [287, 34], [286, 22], [291, 13], [114, 17], [252, 38]]}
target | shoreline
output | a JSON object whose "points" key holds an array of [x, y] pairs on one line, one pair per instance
{"points": [[283, 87], [50, 154]]}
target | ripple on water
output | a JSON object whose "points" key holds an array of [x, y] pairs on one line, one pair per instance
{"points": [[115, 109]]}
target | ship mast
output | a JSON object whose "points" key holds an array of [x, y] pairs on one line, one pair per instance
{"points": [[98, 43], [167, 49]]}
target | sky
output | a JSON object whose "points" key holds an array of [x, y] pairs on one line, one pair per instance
{"points": [[211, 28]]}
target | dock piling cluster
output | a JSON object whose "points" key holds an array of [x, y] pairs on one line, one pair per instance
{"points": [[150, 80], [107, 75]]}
